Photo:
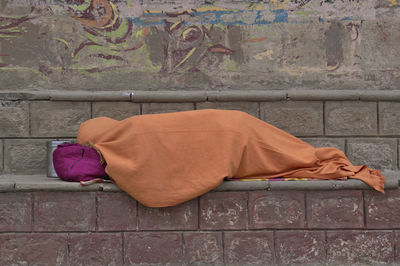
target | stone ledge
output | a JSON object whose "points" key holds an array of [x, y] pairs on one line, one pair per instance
{"points": [[21, 183], [204, 95]]}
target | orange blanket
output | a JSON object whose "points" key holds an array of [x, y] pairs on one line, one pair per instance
{"points": [[165, 159]]}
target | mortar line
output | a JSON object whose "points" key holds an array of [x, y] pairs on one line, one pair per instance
{"points": [[97, 212], [29, 119], [2, 152], [68, 248], [32, 212], [364, 210], [137, 216], [247, 210], [259, 110], [323, 119], [182, 248], [394, 245], [377, 119], [198, 214], [223, 247], [123, 247], [275, 249], [305, 209], [91, 109], [345, 146], [326, 246], [141, 108]]}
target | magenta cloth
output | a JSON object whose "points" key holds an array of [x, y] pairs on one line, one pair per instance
{"points": [[74, 162]]}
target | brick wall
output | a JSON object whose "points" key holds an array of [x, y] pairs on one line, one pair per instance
{"points": [[368, 131], [240, 228]]}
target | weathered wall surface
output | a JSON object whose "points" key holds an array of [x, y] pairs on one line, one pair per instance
{"points": [[228, 44]]}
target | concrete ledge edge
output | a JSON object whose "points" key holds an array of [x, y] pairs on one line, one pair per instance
{"points": [[202, 96], [20, 183]]}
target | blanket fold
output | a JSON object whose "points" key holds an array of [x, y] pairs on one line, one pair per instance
{"points": [[165, 159]]}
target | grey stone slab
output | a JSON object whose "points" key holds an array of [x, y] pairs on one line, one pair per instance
{"points": [[381, 95], [168, 96], [90, 96], [315, 95], [379, 153], [248, 95], [389, 118], [115, 110], [6, 184], [300, 118], [243, 185], [346, 118], [248, 107], [14, 119], [58, 119]]}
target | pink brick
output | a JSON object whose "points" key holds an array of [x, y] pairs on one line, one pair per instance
{"points": [[33, 249], [15, 212], [116, 212], [362, 247], [300, 247], [270, 209], [95, 249], [335, 209], [181, 217], [249, 248], [153, 248], [223, 210], [203, 248], [383, 210], [64, 211]]}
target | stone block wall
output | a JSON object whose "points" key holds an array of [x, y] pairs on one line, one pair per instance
{"points": [[219, 228], [368, 131]]}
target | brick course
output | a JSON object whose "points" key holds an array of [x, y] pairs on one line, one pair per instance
{"points": [[377, 153], [58, 119], [203, 248], [115, 110], [181, 217], [156, 108], [389, 118], [64, 211], [248, 107], [15, 212], [14, 119], [300, 118], [25, 156], [223, 210], [335, 209], [272, 209], [382, 211], [345, 118]]}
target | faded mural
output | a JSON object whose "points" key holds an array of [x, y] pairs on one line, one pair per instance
{"points": [[132, 44]]}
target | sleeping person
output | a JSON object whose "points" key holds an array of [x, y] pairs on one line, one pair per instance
{"points": [[165, 159]]}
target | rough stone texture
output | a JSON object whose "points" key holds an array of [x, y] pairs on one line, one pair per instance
{"points": [[326, 142], [95, 249], [15, 212], [300, 247], [248, 107], [383, 211], [1, 157], [361, 247], [223, 210], [25, 156], [153, 248], [115, 110], [298, 118], [156, 108], [116, 212], [14, 119], [350, 118], [33, 249], [249, 248], [270, 209], [64, 211], [58, 119], [335, 209], [389, 118], [181, 217], [376, 153], [203, 248]]}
